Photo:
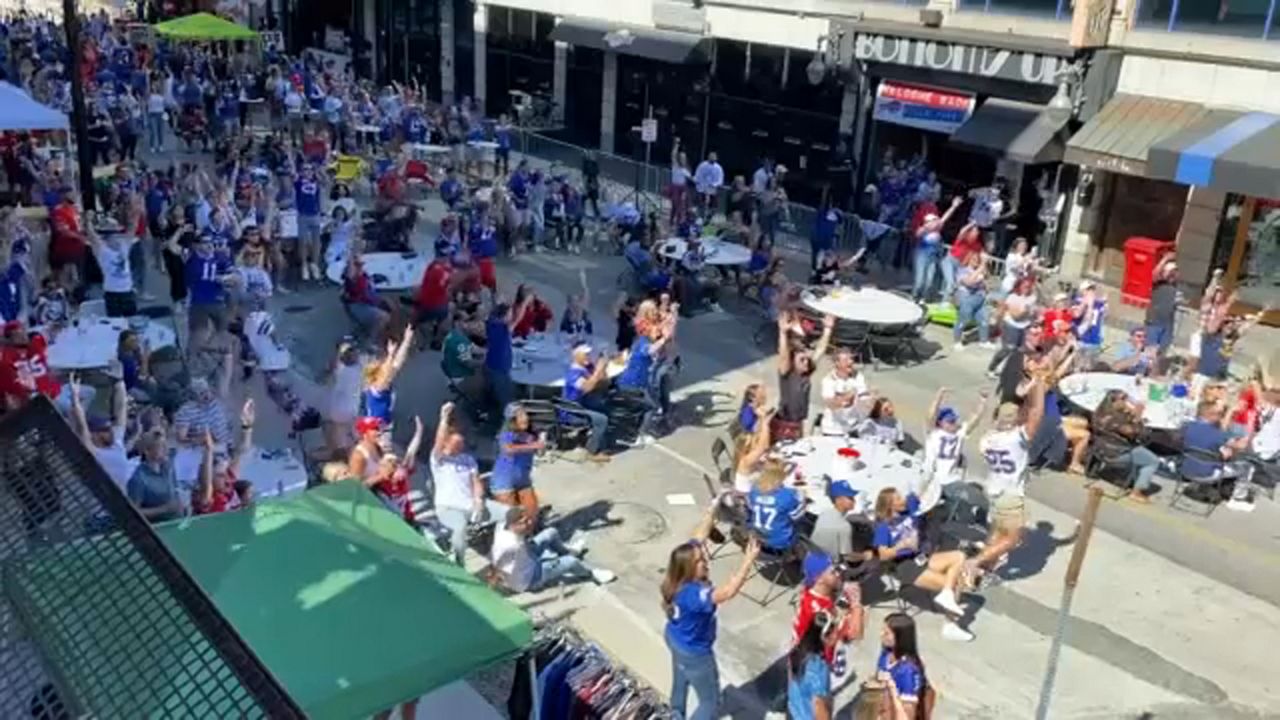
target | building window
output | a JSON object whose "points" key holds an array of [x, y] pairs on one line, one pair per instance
{"points": [[1248, 248], [1240, 18], [1058, 9]]}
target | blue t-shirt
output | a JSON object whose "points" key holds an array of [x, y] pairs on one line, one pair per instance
{"points": [[415, 130], [512, 469], [155, 200], [483, 242], [639, 365], [1129, 351], [906, 675], [11, 292], [773, 515], [814, 681], [451, 192], [497, 352], [379, 404], [824, 230], [572, 376], [307, 197], [747, 418], [202, 279], [691, 628], [1092, 334], [1200, 435], [891, 532]]}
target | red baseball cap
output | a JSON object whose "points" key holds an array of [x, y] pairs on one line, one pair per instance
{"points": [[368, 424]]}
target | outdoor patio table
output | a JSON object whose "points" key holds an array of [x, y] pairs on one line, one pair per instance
{"points": [[869, 305], [1161, 411], [878, 466], [541, 361], [91, 342], [718, 252], [389, 270]]}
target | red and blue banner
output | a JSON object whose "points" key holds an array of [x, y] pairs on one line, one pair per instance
{"points": [[922, 107]]}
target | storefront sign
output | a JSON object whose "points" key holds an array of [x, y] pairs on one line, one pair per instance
{"points": [[1091, 23], [988, 62], [922, 107]]}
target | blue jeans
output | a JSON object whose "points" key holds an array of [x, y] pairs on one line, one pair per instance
{"points": [[926, 267], [554, 560], [1145, 463], [971, 305], [950, 270], [599, 426], [1159, 336], [155, 130], [700, 672]]}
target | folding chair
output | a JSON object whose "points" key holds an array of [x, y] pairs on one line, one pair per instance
{"points": [[1213, 483], [1108, 451], [781, 569], [856, 338], [720, 454]]}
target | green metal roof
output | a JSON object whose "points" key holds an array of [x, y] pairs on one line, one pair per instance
{"points": [[1118, 137]]}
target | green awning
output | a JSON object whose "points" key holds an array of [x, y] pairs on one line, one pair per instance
{"points": [[349, 608], [204, 26]]}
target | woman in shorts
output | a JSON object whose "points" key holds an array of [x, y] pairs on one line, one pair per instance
{"points": [[511, 482]]}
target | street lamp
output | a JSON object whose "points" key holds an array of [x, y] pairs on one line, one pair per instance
{"points": [[824, 59]]}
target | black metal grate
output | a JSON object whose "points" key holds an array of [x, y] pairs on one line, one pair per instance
{"points": [[97, 618]]}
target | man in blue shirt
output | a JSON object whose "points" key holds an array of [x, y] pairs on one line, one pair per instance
{"points": [[498, 354], [582, 383], [451, 189], [307, 201], [1134, 357], [206, 274], [1205, 436]]}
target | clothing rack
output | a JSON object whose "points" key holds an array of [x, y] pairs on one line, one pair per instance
{"points": [[591, 686]]}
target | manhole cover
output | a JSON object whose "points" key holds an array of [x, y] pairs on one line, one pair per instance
{"points": [[296, 309], [632, 523]]}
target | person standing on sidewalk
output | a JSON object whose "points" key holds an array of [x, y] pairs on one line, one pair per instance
{"points": [[1162, 312], [709, 178], [681, 178], [690, 601]]}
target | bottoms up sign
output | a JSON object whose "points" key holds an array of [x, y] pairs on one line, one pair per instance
{"points": [[922, 107]]}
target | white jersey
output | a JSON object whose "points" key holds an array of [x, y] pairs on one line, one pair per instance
{"points": [[1007, 456], [944, 455]]}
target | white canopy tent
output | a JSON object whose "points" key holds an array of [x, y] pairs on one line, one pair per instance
{"points": [[18, 111]]}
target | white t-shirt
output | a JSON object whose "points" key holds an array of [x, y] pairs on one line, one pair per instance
{"points": [[114, 460], [155, 103], [841, 421], [987, 206], [1266, 443], [511, 557], [343, 404], [117, 276], [1006, 453], [1015, 266], [452, 477], [680, 175], [1019, 304], [293, 103], [944, 455], [288, 220]]}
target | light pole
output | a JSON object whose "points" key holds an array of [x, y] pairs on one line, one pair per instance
{"points": [[79, 120]]}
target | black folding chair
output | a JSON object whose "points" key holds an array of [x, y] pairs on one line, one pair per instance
{"points": [[781, 569], [1212, 483], [1109, 451], [854, 337], [720, 455]]}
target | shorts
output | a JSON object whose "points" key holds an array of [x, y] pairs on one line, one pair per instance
{"points": [[488, 273], [1008, 513], [366, 315], [309, 228], [430, 314], [200, 315], [909, 569], [502, 483]]}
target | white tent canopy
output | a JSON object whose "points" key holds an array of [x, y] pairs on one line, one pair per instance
{"points": [[18, 111]]}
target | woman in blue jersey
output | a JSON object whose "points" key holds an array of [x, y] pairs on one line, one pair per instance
{"points": [[773, 508], [511, 482], [640, 376], [901, 671], [690, 601], [377, 396]]}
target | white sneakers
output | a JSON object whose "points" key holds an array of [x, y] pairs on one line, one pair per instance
{"points": [[306, 272], [947, 601], [315, 272], [958, 347], [952, 631], [602, 577], [577, 546]]}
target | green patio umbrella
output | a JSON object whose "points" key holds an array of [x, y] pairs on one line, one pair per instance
{"points": [[203, 26]]}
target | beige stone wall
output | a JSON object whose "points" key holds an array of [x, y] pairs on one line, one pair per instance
{"points": [[1196, 237]]}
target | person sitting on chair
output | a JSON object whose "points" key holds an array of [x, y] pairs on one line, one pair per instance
{"points": [[459, 363], [773, 508], [583, 382], [897, 537], [695, 290], [882, 425]]}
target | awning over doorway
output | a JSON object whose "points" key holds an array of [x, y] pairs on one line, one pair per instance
{"points": [[1117, 138], [667, 46], [1225, 150], [1019, 131]]}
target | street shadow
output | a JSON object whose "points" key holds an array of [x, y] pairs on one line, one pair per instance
{"points": [[1038, 545], [594, 516], [759, 698], [705, 409]]}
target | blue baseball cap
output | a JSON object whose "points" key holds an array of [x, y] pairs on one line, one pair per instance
{"points": [[841, 488], [947, 414], [815, 563]]}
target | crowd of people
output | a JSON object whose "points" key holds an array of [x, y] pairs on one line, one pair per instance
{"points": [[268, 206]]}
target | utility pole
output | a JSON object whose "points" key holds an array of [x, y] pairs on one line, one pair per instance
{"points": [[79, 120]]}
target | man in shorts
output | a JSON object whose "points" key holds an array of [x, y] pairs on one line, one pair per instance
{"points": [[1007, 450]]}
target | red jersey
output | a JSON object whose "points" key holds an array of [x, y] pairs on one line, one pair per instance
{"points": [[810, 605], [434, 290], [1246, 410], [395, 493], [969, 241], [24, 371], [1057, 321], [64, 222], [536, 319], [218, 502]]}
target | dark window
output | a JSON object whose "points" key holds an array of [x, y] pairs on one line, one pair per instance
{"points": [[1243, 19], [731, 67], [464, 49]]}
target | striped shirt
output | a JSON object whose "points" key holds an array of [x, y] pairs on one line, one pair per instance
{"points": [[204, 416]]}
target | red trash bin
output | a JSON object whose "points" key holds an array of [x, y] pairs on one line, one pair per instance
{"points": [[1140, 257]]}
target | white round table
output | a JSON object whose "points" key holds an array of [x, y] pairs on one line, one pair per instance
{"points": [[487, 145], [542, 360], [273, 472], [718, 252], [93, 342], [427, 149], [880, 466], [389, 270], [864, 305], [271, 355], [1087, 390]]}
